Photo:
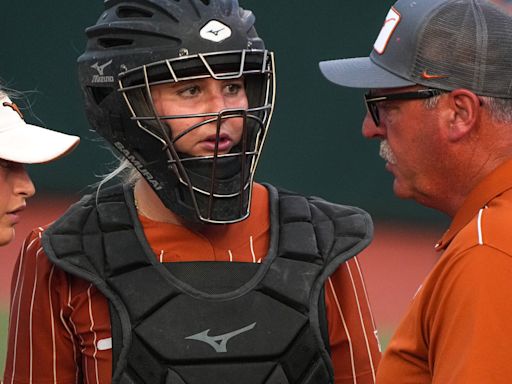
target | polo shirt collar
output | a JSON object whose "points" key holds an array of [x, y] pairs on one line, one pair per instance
{"points": [[494, 184]]}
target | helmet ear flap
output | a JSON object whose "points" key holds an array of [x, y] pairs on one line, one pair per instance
{"points": [[99, 94], [100, 108]]}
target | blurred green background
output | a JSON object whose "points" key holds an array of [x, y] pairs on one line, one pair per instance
{"points": [[315, 145]]}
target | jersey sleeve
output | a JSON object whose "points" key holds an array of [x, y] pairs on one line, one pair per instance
{"points": [[355, 349], [468, 324], [54, 324]]}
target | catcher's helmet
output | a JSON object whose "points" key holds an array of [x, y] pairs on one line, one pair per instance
{"points": [[137, 44]]}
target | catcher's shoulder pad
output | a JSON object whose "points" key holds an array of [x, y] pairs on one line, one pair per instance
{"points": [[314, 226], [79, 230]]}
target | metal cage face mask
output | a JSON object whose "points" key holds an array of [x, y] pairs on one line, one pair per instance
{"points": [[217, 187]]}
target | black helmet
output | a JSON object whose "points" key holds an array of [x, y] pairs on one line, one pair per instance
{"points": [[137, 44]]}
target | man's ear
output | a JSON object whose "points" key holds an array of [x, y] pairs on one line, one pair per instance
{"points": [[464, 113]]}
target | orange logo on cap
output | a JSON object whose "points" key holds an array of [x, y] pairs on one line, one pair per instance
{"points": [[428, 76], [14, 108]]}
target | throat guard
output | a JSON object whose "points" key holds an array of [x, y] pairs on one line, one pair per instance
{"points": [[212, 322]]}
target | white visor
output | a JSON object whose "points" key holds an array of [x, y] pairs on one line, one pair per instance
{"points": [[29, 144]]}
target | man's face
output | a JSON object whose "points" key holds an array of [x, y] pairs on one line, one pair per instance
{"points": [[410, 144], [202, 96], [15, 188]]}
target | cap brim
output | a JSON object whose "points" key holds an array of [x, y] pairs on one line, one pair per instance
{"points": [[360, 72], [29, 144]]}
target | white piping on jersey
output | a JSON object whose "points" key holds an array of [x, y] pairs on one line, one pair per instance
{"points": [[34, 288], [76, 333], [374, 326], [251, 244], [362, 321], [82, 341], [230, 253], [22, 255], [71, 337], [54, 351], [94, 333], [346, 330], [479, 226], [32, 243]]}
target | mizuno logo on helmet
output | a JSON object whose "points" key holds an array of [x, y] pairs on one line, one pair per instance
{"points": [[101, 68], [100, 77], [215, 31], [219, 343]]}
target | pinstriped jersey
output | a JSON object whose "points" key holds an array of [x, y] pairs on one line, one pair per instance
{"points": [[73, 344], [458, 326]]}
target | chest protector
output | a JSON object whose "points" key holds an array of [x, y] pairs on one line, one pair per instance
{"points": [[212, 322]]}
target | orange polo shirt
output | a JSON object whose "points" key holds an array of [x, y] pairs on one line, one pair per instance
{"points": [[458, 329], [59, 328]]}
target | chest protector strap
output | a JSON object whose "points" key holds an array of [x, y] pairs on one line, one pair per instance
{"points": [[212, 322]]}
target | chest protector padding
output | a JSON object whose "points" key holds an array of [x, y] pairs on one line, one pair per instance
{"points": [[212, 322]]}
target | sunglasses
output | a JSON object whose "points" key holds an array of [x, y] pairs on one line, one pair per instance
{"points": [[371, 101]]}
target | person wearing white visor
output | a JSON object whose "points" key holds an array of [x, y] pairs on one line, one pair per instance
{"points": [[20, 144]]}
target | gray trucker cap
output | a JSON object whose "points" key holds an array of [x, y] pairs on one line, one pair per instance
{"points": [[445, 44]]}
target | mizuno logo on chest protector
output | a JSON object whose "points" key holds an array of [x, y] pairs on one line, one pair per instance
{"points": [[219, 343]]}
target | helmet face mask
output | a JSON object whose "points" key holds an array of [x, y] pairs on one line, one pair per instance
{"points": [[218, 183], [212, 188]]}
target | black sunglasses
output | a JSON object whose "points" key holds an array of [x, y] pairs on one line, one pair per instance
{"points": [[371, 101]]}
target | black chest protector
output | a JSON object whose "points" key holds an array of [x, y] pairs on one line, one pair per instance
{"points": [[212, 322]]}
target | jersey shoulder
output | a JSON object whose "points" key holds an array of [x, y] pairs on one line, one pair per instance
{"points": [[492, 223], [489, 227]]}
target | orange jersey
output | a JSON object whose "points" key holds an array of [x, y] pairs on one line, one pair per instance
{"points": [[59, 328], [456, 330]]}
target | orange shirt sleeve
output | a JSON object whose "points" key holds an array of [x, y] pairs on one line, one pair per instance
{"points": [[470, 319], [55, 324], [355, 349], [456, 331]]}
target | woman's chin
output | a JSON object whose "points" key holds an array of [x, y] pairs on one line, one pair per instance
{"points": [[6, 235]]}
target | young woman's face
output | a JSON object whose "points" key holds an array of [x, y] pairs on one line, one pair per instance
{"points": [[15, 188], [202, 96]]}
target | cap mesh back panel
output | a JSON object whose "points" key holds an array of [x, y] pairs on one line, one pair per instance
{"points": [[468, 44]]}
